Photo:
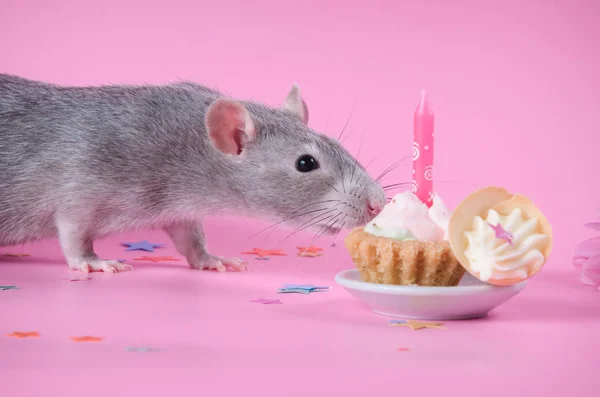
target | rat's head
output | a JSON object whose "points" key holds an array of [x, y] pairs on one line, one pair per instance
{"points": [[286, 171]]}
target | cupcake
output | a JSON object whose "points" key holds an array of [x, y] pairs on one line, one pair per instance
{"points": [[406, 244], [499, 237]]}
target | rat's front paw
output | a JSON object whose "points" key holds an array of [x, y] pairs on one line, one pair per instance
{"points": [[211, 262], [99, 265]]}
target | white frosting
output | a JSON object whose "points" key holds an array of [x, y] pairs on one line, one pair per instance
{"points": [[493, 257], [408, 218]]}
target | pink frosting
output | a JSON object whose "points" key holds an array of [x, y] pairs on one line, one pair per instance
{"points": [[407, 213]]}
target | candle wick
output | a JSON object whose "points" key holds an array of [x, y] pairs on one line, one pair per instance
{"points": [[424, 107]]}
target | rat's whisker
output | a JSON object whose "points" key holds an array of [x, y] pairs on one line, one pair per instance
{"points": [[311, 222], [352, 175], [335, 238], [320, 215], [343, 178], [385, 173], [329, 224], [339, 230], [362, 140], [279, 223], [299, 229], [356, 160], [371, 162], [293, 215], [327, 227], [347, 121], [396, 185], [321, 231], [324, 228], [348, 136], [331, 186], [392, 167]]}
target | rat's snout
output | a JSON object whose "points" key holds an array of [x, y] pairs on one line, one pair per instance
{"points": [[374, 206], [375, 201]]}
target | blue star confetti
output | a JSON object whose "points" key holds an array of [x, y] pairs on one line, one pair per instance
{"points": [[143, 245], [393, 322], [7, 287], [302, 288]]}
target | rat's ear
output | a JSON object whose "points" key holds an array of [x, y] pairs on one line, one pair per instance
{"points": [[229, 126], [295, 104]]}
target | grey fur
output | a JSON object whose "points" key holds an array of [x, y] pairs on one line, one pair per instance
{"points": [[81, 163]]}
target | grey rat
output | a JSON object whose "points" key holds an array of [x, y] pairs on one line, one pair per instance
{"points": [[82, 163]]}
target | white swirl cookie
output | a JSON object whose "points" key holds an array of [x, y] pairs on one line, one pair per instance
{"points": [[499, 237]]}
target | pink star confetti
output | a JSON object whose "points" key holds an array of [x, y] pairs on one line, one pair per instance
{"points": [[501, 233], [267, 301]]}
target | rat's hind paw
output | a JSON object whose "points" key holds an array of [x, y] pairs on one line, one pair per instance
{"points": [[210, 262], [99, 265]]}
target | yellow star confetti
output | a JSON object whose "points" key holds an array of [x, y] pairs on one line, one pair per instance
{"points": [[416, 325], [309, 254]]}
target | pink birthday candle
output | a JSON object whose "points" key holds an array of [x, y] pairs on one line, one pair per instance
{"points": [[422, 183]]}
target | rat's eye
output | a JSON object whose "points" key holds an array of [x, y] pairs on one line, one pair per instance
{"points": [[306, 163]]}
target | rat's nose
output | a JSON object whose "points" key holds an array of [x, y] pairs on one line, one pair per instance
{"points": [[374, 207]]}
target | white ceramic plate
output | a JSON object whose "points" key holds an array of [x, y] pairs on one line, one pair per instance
{"points": [[470, 299]]}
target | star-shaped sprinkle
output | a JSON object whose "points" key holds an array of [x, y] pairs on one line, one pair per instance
{"points": [[256, 251], [310, 248], [156, 258], [416, 325], [294, 291], [143, 245], [7, 287], [309, 254], [264, 253], [304, 289], [267, 301], [15, 255], [501, 233], [142, 349], [306, 286], [86, 338], [21, 335]]}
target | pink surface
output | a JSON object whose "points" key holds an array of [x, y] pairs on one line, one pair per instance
{"points": [[516, 93]]}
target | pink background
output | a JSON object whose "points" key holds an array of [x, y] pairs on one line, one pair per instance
{"points": [[515, 87]]}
